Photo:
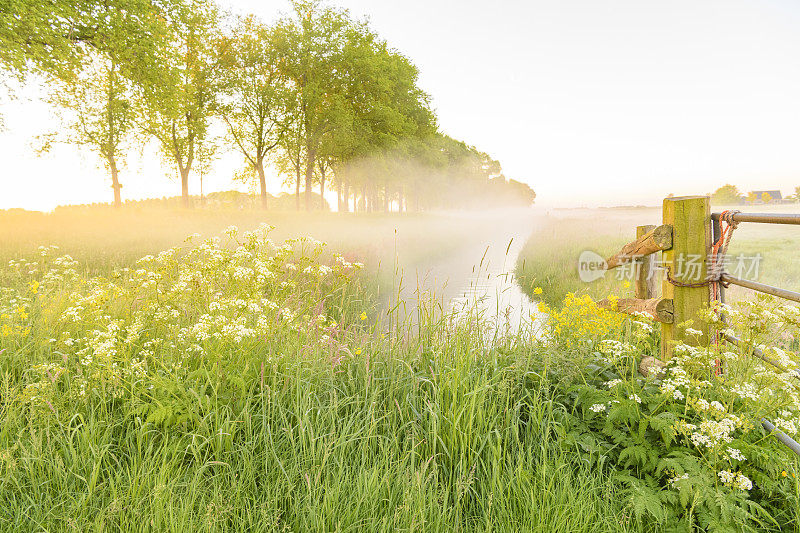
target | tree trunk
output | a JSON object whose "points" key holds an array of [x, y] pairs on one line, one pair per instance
{"points": [[262, 179], [297, 189], [112, 164], [322, 191], [400, 199], [365, 198], [309, 178], [386, 199], [185, 187]]}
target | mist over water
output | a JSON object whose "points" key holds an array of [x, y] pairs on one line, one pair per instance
{"points": [[478, 277]]}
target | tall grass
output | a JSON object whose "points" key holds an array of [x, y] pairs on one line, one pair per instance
{"points": [[104, 239], [549, 260], [324, 454], [322, 422], [449, 436]]}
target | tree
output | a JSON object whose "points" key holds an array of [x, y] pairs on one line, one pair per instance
{"points": [[56, 36], [61, 38], [256, 96], [289, 159], [796, 196], [766, 197], [726, 195], [100, 113], [115, 43], [310, 48], [43, 35], [387, 111], [179, 95]]}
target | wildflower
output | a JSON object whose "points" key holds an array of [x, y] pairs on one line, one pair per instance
{"points": [[726, 476], [743, 482], [676, 479], [33, 286], [537, 290], [596, 408], [635, 398], [736, 454], [363, 315], [613, 383], [786, 425], [784, 474]]}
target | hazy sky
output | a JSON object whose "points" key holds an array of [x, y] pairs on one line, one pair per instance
{"points": [[591, 102]]}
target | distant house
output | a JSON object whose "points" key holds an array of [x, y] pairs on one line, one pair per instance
{"points": [[765, 197]]}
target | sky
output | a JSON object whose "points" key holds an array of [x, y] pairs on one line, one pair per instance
{"points": [[591, 102]]}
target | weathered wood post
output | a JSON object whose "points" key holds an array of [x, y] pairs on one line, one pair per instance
{"points": [[645, 288], [690, 218]]}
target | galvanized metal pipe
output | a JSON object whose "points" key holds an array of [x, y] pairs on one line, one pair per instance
{"points": [[757, 352], [716, 234], [763, 218], [781, 436], [760, 287]]}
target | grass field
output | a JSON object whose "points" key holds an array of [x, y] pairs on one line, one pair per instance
{"points": [[550, 257], [245, 385], [104, 238]]}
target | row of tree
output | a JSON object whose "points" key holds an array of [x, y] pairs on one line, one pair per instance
{"points": [[316, 95], [730, 195]]}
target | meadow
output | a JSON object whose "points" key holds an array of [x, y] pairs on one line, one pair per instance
{"points": [[238, 381], [549, 258]]}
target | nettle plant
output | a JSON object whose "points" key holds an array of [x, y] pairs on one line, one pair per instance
{"points": [[238, 302], [687, 442]]}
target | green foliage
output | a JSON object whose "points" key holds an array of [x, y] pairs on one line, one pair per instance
{"points": [[549, 260], [318, 94], [56, 37], [727, 195], [686, 444], [180, 90], [305, 425], [255, 99], [99, 101]]}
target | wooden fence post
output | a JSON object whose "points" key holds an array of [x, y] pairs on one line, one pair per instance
{"points": [[690, 218], [645, 280]]}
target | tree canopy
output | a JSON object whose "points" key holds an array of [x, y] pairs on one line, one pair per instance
{"points": [[317, 95], [727, 195]]}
